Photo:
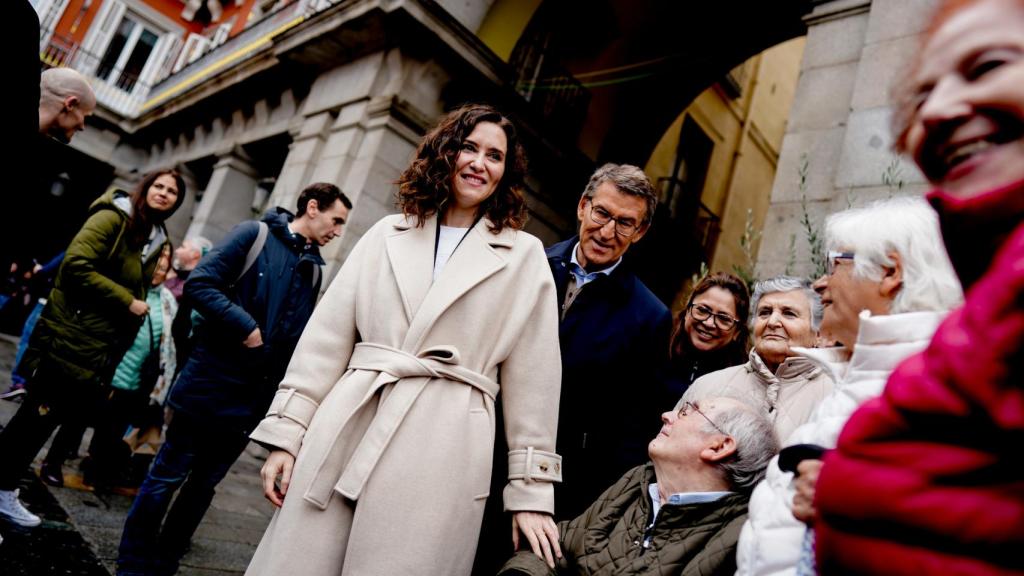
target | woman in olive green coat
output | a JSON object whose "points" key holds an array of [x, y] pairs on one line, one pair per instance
{"points": [[91, 316]]}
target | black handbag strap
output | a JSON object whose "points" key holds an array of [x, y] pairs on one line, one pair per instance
{"points": [[149, 322]]}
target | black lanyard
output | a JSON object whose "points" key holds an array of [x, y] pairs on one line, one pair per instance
{"points": [[437, 235]]}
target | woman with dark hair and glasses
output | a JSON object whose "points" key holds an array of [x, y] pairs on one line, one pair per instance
{"points": [[710, 333], [786, 313], [382, 430]]}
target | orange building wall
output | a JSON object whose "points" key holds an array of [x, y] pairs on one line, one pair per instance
{"points": [[68, 27], [243, 16]]}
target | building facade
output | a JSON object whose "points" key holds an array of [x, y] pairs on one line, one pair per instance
{"points": [[254, 99]]}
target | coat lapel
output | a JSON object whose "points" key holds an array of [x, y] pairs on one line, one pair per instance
{"points": [[411, 253], [480, 255]]}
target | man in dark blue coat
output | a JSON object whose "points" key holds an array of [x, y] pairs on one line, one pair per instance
{"points": [[255, 291], [614, 336]]}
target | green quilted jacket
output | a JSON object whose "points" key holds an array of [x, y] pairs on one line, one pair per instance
{"points": [[608, 538], [86, 326]]}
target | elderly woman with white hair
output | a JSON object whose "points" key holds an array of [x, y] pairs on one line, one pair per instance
{"points": [[889, 284], [784, 316]]}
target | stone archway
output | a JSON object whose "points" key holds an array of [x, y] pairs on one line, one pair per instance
{"points": [[640, 63], [608, 78]]}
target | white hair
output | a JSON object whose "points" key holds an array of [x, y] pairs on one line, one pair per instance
{"points": [[745, 421], [787, 284], [910, 228], [56, 84], [756, 443], [200, 243]]}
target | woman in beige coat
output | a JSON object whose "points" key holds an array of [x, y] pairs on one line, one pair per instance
{"points": [[382, 430]]}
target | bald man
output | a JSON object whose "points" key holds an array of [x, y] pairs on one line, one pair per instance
{"points": [[65, 99]]}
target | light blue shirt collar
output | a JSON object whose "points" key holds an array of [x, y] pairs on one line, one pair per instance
{"points": [[582, 276], [681, 498]]}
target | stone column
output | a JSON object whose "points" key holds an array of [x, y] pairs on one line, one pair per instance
{"points": [[366, 152], [360, 126], [839, 123], [308, 139], [178, 225], [228, 197]]}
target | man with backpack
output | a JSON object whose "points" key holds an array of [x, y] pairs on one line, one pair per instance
{"points": [[254, 293]]}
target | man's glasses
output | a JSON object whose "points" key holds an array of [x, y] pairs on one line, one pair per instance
{"points": [[833, 256], [701, 313], [693, 406], [601, 217]]}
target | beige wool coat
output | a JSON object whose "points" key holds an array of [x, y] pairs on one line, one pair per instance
{"points": [[789, 395], [388, 404]]}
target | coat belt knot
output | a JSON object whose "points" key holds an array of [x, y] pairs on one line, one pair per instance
{"points": [[410, 374]]}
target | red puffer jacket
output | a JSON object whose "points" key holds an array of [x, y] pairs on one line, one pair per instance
{"points": [[929, 478]]}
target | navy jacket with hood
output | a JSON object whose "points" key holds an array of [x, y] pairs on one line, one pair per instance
{"points": [[223, 379]]}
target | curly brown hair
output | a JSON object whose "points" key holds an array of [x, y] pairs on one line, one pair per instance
{"points": [[425, 186]]}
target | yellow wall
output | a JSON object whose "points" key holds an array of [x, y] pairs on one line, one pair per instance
{"points": [[747, 133], [505, 23]]}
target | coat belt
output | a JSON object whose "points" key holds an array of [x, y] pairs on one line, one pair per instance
{"points": [[410, 374]]}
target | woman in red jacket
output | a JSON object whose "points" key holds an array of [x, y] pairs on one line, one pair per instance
{"points": [[927, 479]]}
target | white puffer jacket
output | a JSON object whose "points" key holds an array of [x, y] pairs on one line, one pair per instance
{"points": [[771, 537]]}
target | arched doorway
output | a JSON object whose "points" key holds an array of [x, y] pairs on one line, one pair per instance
{"points": [[611, 78]]}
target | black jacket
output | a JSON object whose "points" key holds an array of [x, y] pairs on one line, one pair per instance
{"points": [[222, 377]]}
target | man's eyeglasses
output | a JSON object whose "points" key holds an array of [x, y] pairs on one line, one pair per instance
{"points": [[701, 313], [693, 406], [830, 263], [601, 217]]}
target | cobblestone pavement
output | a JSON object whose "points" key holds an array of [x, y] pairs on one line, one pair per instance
{"points": [[81, 529]]}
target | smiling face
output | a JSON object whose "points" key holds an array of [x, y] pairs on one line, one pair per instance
{"points": [[479, 166], [163, 265], [685, 434], [966, 125], [843, 296], [600, 245], [706, 335]]}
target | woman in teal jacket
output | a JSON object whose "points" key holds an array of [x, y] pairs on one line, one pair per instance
{"points": [[93, 313], [154, 335]]}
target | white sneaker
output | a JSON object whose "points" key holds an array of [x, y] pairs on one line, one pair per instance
{"points": [[15, 511], [13, 393]]}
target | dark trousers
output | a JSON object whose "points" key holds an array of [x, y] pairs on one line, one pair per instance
{"points": [[195, 457], [110, 456], [67, 440], [51, 401]]}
